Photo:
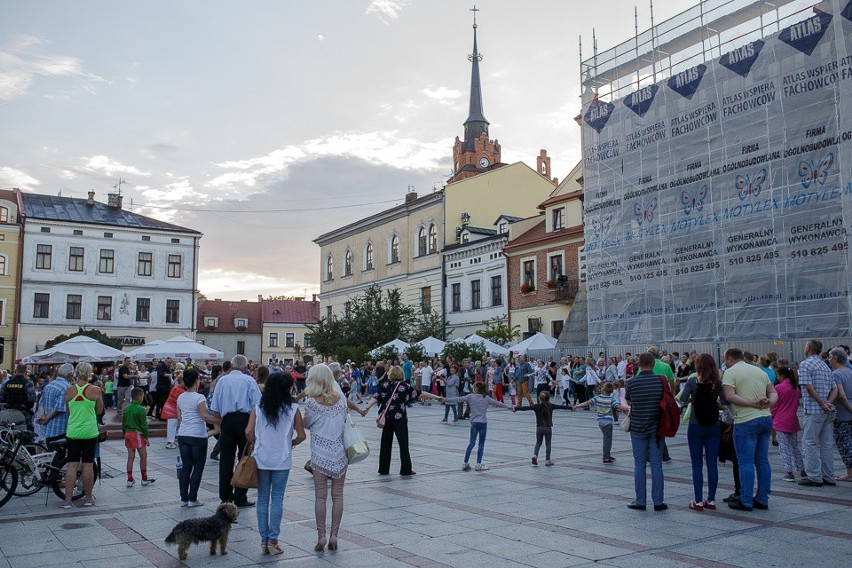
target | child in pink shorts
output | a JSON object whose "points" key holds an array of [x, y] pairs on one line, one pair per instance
{"points": [[134, 424]]}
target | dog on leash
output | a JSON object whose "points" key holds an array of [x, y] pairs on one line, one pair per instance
{"points": [[214, 529]]}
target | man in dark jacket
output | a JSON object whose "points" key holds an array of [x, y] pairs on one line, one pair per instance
{"points": [[19, 393]]}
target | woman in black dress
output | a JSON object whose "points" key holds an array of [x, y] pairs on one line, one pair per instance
{"points": [[393, 397]]}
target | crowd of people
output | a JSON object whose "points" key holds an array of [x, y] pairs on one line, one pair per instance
{"points": [[732, 412]]}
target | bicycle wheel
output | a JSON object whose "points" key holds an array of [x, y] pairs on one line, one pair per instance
{"points": [[27, 481], [58, 484], [8, 482]]}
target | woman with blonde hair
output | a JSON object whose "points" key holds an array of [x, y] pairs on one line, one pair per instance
{"points": [[394, 395], [85, 402], [325, 409]]}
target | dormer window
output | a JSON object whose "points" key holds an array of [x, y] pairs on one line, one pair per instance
{"points": [[558, 219], [503, 228], [241, 323], [211, 322]]}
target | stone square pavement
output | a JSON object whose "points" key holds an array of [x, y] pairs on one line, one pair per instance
{"points": [[516, 514]]}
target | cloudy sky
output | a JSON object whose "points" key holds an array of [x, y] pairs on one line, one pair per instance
{"points": [[265, 123]]}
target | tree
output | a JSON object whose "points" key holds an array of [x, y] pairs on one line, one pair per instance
{"points": [[431, 324], [388, 352], [459, 350], [415, 352], [95, 334], [283, 298], [498, 330]]}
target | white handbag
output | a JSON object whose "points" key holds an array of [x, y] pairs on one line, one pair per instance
{"points": [[354, 441]]}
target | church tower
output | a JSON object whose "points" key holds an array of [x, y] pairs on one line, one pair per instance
{"points": [[477, 153]]}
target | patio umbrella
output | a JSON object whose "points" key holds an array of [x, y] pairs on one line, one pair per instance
{"points": [[432, 345], [178, 348], [490, 346], [75, 350], [398, 344], [533, 343]]}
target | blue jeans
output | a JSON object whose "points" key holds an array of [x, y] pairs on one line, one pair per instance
{"points": [[704, 443], [271, 484], [751, 441], [645, 448], [476, 429], [193, 455], [447, 408]]}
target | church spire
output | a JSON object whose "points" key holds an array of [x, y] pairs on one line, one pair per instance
{"points": [[476, 122]]}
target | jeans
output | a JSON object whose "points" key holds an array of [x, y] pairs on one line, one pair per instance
{"points": [[606, 430], [751, 440], [704, 443], [193, 455], [818, 447], [271, 484], [477, 429], [543, 433], [645, 447], [447, 408]]}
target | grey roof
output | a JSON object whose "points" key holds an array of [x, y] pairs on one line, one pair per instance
{"points": [[480, 231], [76, 210], [476, 122], [509, 218]]}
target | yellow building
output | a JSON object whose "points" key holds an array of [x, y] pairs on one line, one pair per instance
{"points": [[10, 255], [286, 336]]}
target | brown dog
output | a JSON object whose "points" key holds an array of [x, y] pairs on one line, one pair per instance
{"points": [[214, 529]]}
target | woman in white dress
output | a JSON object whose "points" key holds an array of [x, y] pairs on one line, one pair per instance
{"points": [[325, 408]]}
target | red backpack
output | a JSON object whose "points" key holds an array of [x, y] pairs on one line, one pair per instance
{"points": [[669, 413]]}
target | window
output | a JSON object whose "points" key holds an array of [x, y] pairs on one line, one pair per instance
{"points": [[307, 341], [465, 237], [394, 253], [172, 311], [146, 238], [503, 228], [556, 328], [273, 339], [528, 273], [78, 232], [496, 290], [4, 214], [347, 263], [175, 241], [107, 235], [328, 312], [329, 268], [558, 219], [75, 259], [433, 238], [533, 325], [175, 261], [45, 229], [211, 322], [44, 256], [106, 264], [475, 295], [240, 322], [104, 308], [289, 340], [368, 260], [143, 309], [74, 307], [41, 306], [456, 297], [421, 242], [426, 299], [347, 309], [2, 265], [145, 264], [241, 347], [555, 266]]}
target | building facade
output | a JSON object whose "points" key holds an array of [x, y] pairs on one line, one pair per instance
{"points": [[10, 260], [95, 265], [234, 328], [286, 335], [543, 259]]}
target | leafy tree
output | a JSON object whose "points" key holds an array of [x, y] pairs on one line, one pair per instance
{"points": [[498, 330], [354, 353], [385, 353], [415, 352], [458, 350], [431, 324], [327, 336], [95, 334], [478, 351]]}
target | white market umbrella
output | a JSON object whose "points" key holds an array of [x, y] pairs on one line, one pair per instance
{"points": [[432, 345], [75, 350], [144, 349], [536, 342], [178, 348], [490, 346], [397, 344]]}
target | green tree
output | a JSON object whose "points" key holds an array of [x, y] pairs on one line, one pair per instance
{"points": [[431, 324], [498, 330], [415, 352], [458, 350], [385, 353], [95, 334]]}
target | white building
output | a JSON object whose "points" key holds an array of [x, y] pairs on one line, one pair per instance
{"points": [[94, 265], [475, 272]]}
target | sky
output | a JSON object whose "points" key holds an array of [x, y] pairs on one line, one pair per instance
{"points": [[265, 123]]}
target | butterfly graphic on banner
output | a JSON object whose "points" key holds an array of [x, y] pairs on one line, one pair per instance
{"points": [[693, 201], [813, 173], [601, 225], [750, 186], [645, 214]]}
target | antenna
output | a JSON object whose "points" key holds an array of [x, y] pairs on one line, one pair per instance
{"points": [[118, 185]]}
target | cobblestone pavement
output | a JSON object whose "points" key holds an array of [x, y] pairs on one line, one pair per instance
{"points": [[515, 514]]}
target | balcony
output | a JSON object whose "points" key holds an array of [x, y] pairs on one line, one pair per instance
{"points": [[566, 289]]}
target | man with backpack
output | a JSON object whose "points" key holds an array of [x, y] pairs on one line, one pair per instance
{"points": [[645, 393]]}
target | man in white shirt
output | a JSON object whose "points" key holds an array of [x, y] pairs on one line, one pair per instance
{"points": [[426, 376], [622, 367]]}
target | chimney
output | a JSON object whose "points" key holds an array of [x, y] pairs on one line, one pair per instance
{"points": [[411, 195], [315, 298], [260, 297], [114, 200], [91, 199]]}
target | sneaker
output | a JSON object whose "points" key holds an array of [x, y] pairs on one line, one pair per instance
{"points": [[732, 498], [738, 505], [480, 467], [636, 506], [131, 482], [88, 501], [696, 506], [759, 505], [535, 460], [147, 482], [184, 503], [803, 473], [444, 420], [548, 462], [608, 461], [789, 477], [195, 504], [466, 467], [709, 505], [661, 507], [808, 482], [667, 460], [829, 482], [455, 420], [65, 505]]}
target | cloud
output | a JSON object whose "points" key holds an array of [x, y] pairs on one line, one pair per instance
{"points": [[387, 11], [160, 150], [20, 64], [224, 284], [107, 166], [10, 177], [321, 37], [442, 94]]}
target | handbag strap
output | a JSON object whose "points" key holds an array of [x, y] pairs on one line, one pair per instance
{"points": [[387, 406]]}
